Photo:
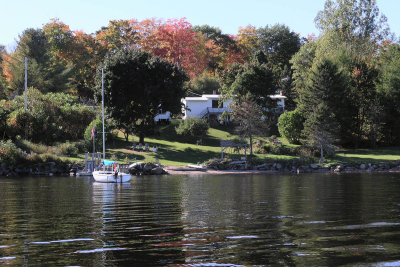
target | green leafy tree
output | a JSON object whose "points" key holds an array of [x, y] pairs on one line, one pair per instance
{"points": [[136, 86], [255, 79], [357, 23], [388, 88], [203, 84], [290, 125], [279, 44], [194, 129], [45, 73], [50, 118]]}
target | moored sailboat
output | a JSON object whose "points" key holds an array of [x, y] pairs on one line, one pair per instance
{"points": [[109, 172]]}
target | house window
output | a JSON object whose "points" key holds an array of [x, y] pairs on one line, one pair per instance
{"points": [[215, 104]]}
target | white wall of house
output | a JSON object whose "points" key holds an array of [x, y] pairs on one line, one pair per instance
{"points": [[195, 106]]}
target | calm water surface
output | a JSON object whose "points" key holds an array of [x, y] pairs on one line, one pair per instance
{"points": [[306, 220]]}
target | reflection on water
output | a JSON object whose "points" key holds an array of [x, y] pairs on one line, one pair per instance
{"points": [[310, 220]]}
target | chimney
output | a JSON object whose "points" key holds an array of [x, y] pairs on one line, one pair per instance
{"points": [[214, 92], [281, 92]]}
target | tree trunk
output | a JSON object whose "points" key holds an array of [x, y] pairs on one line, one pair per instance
{"points": [[251, 145], [126, 135], [141, 138], [322, 155]]}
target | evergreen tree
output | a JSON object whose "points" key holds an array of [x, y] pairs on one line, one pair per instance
{"points": [[323, 104]]}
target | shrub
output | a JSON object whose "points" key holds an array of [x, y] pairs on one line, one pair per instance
{"points": [[193, 129], [10, 153], [98, 135], [67, 149], [290, 126], [50, 117]]}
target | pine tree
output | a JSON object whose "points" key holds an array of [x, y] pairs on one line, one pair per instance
{"points": [[323, 105]]}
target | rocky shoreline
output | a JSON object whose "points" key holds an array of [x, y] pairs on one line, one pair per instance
{"points": [[43, 169], [215, 167], [304, 168]]}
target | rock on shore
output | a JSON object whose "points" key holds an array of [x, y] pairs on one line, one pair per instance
{"points": [[140, 168]]}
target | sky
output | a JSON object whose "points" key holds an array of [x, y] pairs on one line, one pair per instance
{"points": [[228, 15]]}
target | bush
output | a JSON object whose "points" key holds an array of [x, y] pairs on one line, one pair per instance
{"points": [[10, 153], [193, 129], [50, 117], [98, 135], [290, 126], [67, 149]]}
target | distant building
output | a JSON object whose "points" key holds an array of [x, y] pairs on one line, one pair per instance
{"points": [[207, 105]]}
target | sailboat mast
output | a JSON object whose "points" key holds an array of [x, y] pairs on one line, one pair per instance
{"points": [[102, 101]]}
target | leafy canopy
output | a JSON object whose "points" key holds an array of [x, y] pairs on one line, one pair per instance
{"points": [[137, 86]]}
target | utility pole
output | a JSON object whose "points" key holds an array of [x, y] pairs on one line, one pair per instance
{"points": [[26, 93], [26, 83]]}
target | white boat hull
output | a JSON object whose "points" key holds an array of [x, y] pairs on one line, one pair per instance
{"points": [[111, 177]]}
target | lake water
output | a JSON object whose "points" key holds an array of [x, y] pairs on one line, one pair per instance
{"points": [[280, 220]]}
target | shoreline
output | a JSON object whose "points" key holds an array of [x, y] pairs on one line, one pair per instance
{"points": [[178, 170]]}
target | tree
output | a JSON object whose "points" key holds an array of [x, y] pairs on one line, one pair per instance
{"points": [[221, 49], [363, 97], [203, 84], [302, 63], [321, 129], [136, 86], [357, 23], [176, 43], [193, 128], [45, 72], [323, 104], [290, 125], [256, 79], [119, 34], [2, 78], [249, 119], [388, 90], [279, 44]]}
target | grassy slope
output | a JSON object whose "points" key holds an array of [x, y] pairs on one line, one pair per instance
{"points": [[172, 150]]}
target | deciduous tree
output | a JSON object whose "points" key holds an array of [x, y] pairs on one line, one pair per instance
{"points": [[248, 116], [136, 86]]}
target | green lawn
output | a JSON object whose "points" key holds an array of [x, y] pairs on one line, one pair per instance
{"points": [[172, 150], [368, 155]]}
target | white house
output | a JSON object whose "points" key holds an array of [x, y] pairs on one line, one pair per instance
{"points": [[205, 105]]}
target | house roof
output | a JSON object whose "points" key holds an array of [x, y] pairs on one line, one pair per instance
{"points": [[207, 97], [278, 96], [202, 98]]}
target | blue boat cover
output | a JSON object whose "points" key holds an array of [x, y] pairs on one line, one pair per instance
{"points": [[108, 162]]}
